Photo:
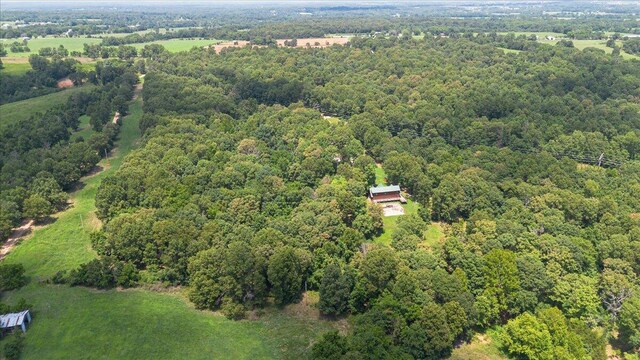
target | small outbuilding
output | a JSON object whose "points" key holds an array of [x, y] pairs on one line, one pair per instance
{"points": [[9, 322], [379, 194]]}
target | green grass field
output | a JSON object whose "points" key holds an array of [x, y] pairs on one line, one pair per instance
{"points": [[391, 223], [15, 69], [80, 323], [22, 110], [175, 45], [71, 44]]}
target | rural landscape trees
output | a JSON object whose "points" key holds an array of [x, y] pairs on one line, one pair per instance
{"points": [[248, 189]]}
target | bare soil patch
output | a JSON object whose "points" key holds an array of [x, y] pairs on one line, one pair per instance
{"points": [[64, 83], [18, 234], [392, 209], [317, 42], [301, 43]]}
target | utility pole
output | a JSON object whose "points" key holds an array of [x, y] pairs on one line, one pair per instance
{"points": [[600, 159]]}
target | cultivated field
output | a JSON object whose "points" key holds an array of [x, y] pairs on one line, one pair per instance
{"points": [[71, 44], [303, 42]]}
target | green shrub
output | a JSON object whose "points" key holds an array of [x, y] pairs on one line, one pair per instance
{"points": [[233, 311], [13, 346], [12, 276]]}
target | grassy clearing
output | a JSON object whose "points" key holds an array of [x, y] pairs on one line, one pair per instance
{"points": [[65, 244], [597, 44], [381, 176], [22, 110], [176, 45], [510, 51], [84, 129], [80, 323], [482, 347], [15, 69], [433, 236], [391, 223], [71, 44]]}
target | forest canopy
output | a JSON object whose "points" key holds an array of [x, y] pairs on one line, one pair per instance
{"points": [[244, 192]]}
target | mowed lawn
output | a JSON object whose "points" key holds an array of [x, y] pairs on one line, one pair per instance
{"points": [[65, 244], [22, 110], [81, 323]]}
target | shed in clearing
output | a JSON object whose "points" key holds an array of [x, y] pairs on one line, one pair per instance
{"points": [[12, 321]]}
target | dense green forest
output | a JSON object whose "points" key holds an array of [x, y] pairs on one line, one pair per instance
{"points": [[247, 192], [243, 192]]}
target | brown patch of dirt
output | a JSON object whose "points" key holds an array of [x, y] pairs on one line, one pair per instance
{"points": [[64, 83], [18, 234]]}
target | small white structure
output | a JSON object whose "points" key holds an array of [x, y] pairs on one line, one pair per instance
{"points": [[11, 321]]}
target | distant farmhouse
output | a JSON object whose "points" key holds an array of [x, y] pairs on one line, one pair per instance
{"points": [[379, 194]]}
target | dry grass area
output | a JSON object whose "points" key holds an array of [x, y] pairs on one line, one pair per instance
{"points": [[305, 42], [318, 42]]}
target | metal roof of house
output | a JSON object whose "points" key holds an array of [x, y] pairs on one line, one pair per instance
{"points": [[384, 189], [12, 320]]}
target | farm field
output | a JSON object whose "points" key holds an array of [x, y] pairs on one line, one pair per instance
{"points": [[15, 68], [71, 44], [23, 109], [176, 45]]}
